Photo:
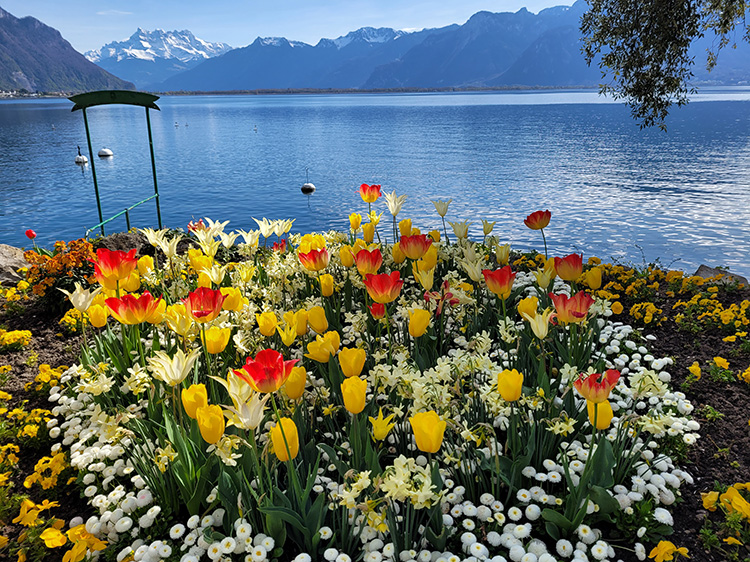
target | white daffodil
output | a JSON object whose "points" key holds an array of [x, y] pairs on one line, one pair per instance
{"points": [[81, 298], [173, 370], [394, 202], [442, 206]]}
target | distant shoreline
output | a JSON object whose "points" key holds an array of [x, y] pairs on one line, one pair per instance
{"points": [[297, 91]]}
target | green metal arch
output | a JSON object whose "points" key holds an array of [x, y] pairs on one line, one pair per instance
{"points": [[102, 97]]}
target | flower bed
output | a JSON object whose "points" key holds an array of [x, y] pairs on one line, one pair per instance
{"points": [[331, 398]]}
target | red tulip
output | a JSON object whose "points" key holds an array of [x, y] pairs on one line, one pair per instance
{"points": [[30, 234], [267, 372], [368, 261], [377, 310], [415, 247], [280, 246], [204, 304], [315, 260], [384, 288], [369, 193], [596, 387], [130, 309], [194, 226], [572, 309], [570, 267], [113, 266], [499, 281], [538, 220]]}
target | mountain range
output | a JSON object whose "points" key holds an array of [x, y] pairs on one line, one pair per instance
{"points": [[35, 57], [150, 57]]}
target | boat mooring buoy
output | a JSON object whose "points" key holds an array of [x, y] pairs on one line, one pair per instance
{"points": [[81, 159], [105, 153]]}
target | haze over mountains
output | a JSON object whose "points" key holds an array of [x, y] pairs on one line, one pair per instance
{"points": [[520, 49]]}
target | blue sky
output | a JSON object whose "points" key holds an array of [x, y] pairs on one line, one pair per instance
{"points": [[89, 24]]}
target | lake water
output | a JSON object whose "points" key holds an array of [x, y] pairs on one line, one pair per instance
{"points": [[614, 191]]}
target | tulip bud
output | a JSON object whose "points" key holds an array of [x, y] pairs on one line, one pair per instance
{"points": [[193, 398], [354, 390], [267, 323], [346, 256], [211, 423], [510, 385], [326, 284], [428, 431], [352, 361], [97, 315], [145, 264], [368, 232], [404, 227], [132, 283], [285, 439], [600, 413], [316, 317], [377, 310], [355, 221], [30, 234], [295, 384], [419, 320], [216, 339]]}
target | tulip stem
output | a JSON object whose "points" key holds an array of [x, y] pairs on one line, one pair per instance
{"points": [[445, 229], [292, 469], [544, 238]]}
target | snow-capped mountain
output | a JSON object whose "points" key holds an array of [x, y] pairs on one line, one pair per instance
{"points": [[150, 57], [368, 35]]}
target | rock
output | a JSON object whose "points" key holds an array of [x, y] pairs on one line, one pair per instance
{"points": [[706, 272], [11, 259]]}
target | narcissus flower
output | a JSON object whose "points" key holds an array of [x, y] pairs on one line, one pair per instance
{"points": [[216, 339], [110, 267], [538, 220], [596, 387], [428, 430], [132, 310], [414, 247], [500, 281], [285, 439], [316, 318], [369, 193], [315, 260], [572, 309], [324, 347], [354, 390], [211, 423], [419, 320], [381, 427], [204, 304], [600, 413], [193, 398], [510, 385], [295, 384], [267, 323], [368, 261], [267, 372], [384, 288], [570, 267], [352, 361]]}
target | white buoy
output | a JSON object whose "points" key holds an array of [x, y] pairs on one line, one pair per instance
{"points": [[308, 188], [105, 153], [81, 159]]}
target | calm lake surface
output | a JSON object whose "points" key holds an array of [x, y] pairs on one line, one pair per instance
{"points": [[614, 191]]}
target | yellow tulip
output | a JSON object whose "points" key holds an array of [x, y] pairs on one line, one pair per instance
{"points": [[528, 306], [352, 361], [178, 319], [546, 274], [97, 315], [157, 316], [404, 227], [398, 255], [300, 322], [355, 221], [295, 384], [326, 284], [288, 334], [284, 434], [354, 389], [198, 260], [211, 423], [430, 258], [204, 280], [145, 264], [428, 430], [132, 283], [601, 412], [316, 317], [593, 278], [510, 385], [346, 256], [502, 253], [324, 347], [233, 299], [381, 427], [216, 339], [426, 278], [539, 323], [419, 320], [245, 271], [193, 398], [435, 235], [267, 323], [368, 232]]}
